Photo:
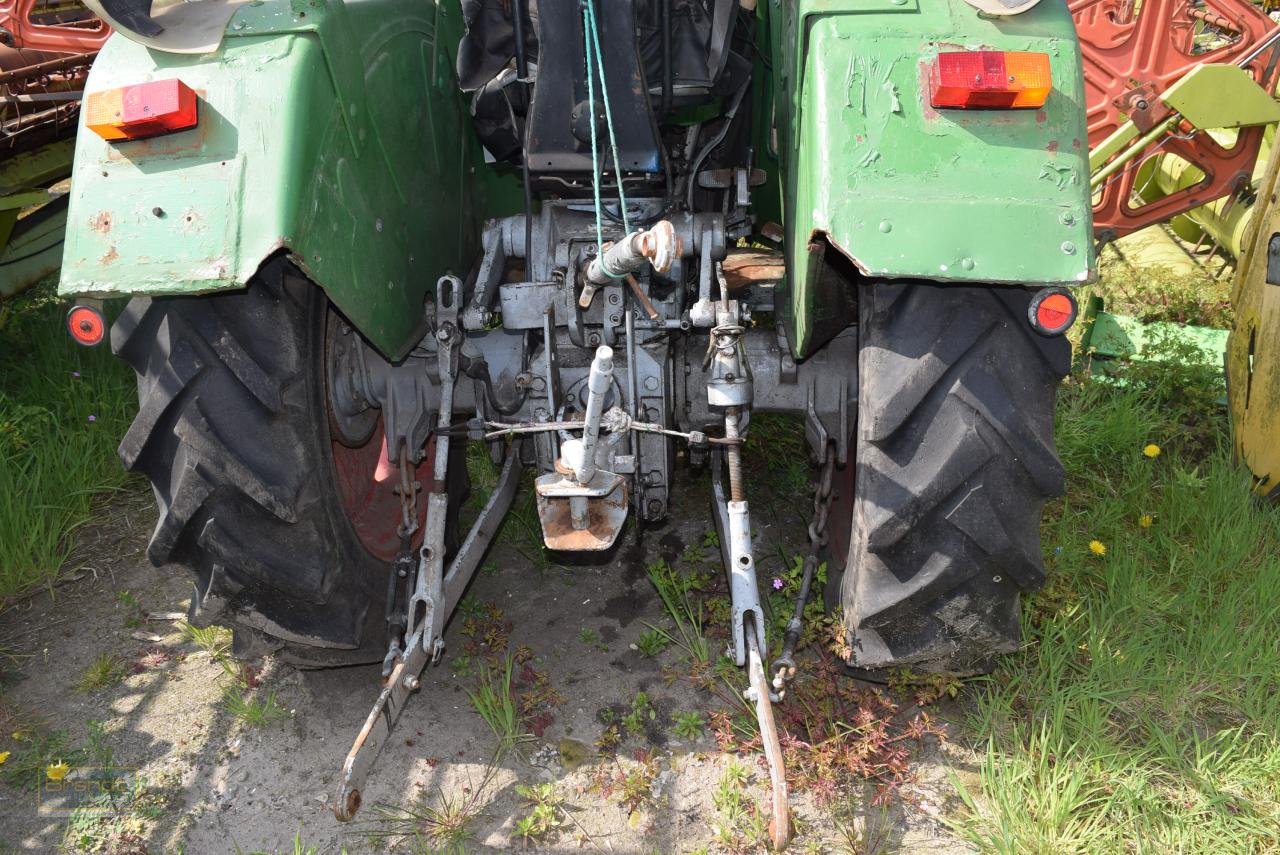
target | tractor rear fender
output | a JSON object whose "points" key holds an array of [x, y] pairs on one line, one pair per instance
{"points": [[334, 133], [903, 190]]}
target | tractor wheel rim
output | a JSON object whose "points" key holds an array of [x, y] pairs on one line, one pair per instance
{"points": [[366, 477], [367, 481]]}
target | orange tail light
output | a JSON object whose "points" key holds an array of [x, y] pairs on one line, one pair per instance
{"points": [[990, 80], [141, 111]]}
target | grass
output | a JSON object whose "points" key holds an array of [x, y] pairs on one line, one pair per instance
{"points": [[106, 670], [1162, 294], [444, 822], [63, 409], [495, 701], [652, 642], [297, 847], [243, 696], [253, 711], [741, 825], [674, 590], [1144, 713], [214, 640]]}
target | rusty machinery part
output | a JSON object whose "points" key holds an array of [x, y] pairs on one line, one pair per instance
{"points": [[39, 97], [759, 696], [658, 246], [1131, 55], [41, 25], [955, 461], [289, 533]]}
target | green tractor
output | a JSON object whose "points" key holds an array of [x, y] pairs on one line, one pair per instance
{"points": [[599, 236]]}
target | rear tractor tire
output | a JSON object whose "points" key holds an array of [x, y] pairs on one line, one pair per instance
{"points": [[955, 459], [287, 526]]}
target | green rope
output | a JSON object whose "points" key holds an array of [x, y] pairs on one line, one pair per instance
{"points": [[595, 64], [591, 105]]}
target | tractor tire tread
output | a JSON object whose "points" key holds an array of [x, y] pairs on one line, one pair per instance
{"points": [[955, 459], [227, 431]]}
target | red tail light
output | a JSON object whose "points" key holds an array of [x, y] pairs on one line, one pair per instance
{"points": [[86, 325], [1052, 311], [989, 79], [140, 111]]}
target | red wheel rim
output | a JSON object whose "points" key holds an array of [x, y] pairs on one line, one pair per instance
{"points": [[367, 481]]}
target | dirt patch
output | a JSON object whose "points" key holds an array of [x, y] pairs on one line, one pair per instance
{"points": [[221, 784]]}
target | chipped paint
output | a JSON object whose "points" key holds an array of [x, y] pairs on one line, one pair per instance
{"points": [[1065, 176], [970, 195], [260, 175]]}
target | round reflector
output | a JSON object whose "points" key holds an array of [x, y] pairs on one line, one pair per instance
{"points": [[86, 325], [1052, 311]]}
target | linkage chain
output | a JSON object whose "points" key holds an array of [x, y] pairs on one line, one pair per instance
{"points": [[784, 667], [403, 566]]}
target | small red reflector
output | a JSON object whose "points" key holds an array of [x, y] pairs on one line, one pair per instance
{"points": [[1052, 311], [86, 325], [989, 79], [140, 111]]}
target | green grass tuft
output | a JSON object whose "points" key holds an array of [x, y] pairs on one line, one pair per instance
{"points": [[107, 670], [494, 700], [63, 409]]}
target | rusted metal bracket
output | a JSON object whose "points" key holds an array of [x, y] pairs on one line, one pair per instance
{"points": [[758, 694]]}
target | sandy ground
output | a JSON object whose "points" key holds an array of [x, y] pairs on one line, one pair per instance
{"points": [[226, 787]]}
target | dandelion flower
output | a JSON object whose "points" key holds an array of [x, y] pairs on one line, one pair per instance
{"points": [[57, 771], [1097, 547], [4, 755], [1151, 450], [1145, 520], [777, 584]]}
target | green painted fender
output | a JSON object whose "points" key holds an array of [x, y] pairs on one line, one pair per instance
{"points": [[334, 133], [873, 173]]}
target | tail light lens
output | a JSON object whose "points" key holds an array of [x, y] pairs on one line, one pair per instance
{"points": [[141, 111], [990, 80], [86, 325], [1052, 311]]}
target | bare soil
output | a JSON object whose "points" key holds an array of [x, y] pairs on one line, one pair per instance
{"points": [[224, 786]]}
